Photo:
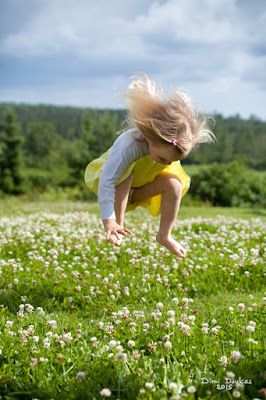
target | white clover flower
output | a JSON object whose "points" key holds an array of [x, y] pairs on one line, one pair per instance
{"points": [[34, 362], [20, 314], [67, 337], [105, 392], [231, 342], [236, 393], [185, 329], [40, 311], [159, 306], [191, 389], [80, 376], [168, 345], [30, 308], [112, 344], [191, 319], [53, 324], [250, 328], [240, 386], [149, 385], [94, 339], [223, 361], [171, 313], [241, 306], [46, 343], [230, 375], [121, 356], [175, 301], [205, 329], [235, 356], [131, 343], [9, 324], [173, 387]]}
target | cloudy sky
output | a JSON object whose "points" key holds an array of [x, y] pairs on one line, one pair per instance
{"points": [[83, 52]]}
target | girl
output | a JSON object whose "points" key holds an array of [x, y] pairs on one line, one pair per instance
{"points": [[143, 165]]}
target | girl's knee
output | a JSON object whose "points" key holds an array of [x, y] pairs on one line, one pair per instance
{"points": [[173, 184]]}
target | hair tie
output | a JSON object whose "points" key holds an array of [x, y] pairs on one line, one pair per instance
{"points": [[175, 142]]}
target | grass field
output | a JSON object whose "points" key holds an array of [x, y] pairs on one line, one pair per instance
{"points": [[14, 206], [81, 319]]}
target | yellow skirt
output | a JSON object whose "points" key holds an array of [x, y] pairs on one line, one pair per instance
{"points": [[144, 171]]}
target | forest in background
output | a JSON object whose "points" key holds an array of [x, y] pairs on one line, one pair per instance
{"points": [[50, 146]]}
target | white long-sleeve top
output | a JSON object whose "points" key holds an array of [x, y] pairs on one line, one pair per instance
{"points": [[124, 152]]}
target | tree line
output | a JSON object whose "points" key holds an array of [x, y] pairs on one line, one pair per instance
{"points": [[42, 145]]}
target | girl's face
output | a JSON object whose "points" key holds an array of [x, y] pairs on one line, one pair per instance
{"points": [[163, 154]]}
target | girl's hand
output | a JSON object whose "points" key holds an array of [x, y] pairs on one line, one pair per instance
{"points": [[113, 229]]}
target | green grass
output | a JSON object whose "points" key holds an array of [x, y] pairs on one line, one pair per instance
{"points": [[19, 206], [56, 266]]}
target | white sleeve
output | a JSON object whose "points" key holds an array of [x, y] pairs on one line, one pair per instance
{"points": [[125, 150]]}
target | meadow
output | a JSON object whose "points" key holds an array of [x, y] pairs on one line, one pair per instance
{"points": [[82, 319]]}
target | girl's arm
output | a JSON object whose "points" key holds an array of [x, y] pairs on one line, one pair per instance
{"points": [[124, 152]]}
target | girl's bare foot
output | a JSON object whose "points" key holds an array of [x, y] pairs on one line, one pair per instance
{"points": [[171, 244]]}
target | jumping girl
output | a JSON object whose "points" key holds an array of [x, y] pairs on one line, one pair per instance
{"points": [[142, 168]]}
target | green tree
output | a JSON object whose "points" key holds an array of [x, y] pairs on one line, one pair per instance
{"points": [[11, 180], [42, 145], [98, 132]]}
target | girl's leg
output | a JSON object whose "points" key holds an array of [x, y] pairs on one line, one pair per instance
{"points": [[170, 189]]}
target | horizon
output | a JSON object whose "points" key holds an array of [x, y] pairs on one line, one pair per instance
{"points": [[215, 113]]}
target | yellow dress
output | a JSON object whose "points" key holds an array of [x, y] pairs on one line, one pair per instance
{"points": [[144, 171]]}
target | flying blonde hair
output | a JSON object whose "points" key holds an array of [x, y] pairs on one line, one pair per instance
{"points": [[163, 120]]}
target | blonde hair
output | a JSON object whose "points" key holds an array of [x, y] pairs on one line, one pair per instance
{"points": [[163, 120]]}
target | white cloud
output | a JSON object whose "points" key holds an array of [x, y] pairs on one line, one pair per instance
{"points": [[80, 45], [81, 26]]}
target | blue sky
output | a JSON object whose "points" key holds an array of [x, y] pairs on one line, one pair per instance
{"points": [[83, 52]]}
